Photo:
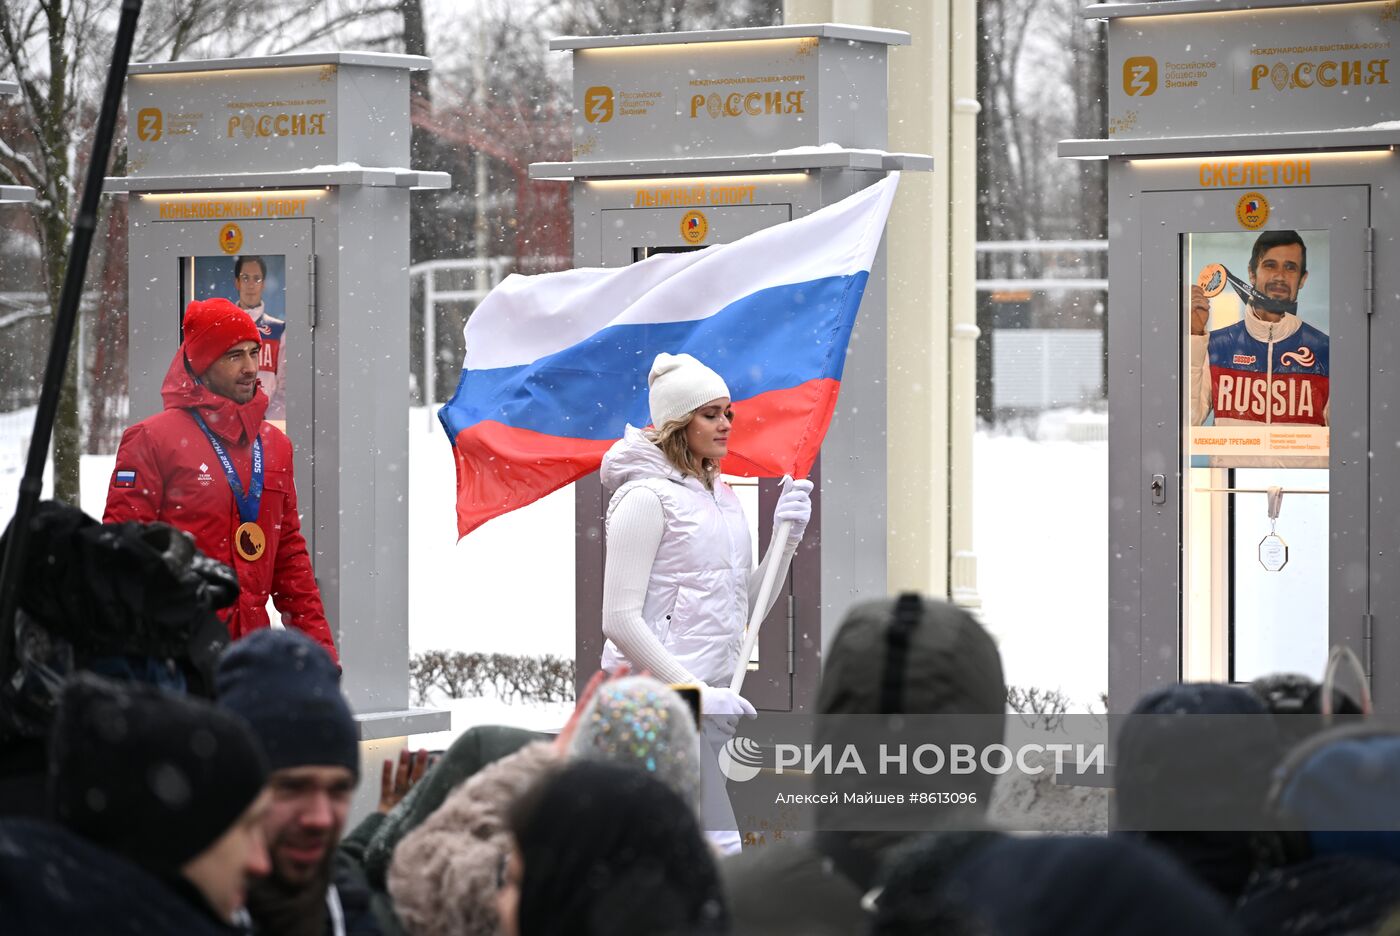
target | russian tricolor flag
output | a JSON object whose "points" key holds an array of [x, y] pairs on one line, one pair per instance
{"points": [[556, 364]]}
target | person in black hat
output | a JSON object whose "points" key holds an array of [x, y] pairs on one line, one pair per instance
{"points": [[1296, 702], [164, 793], [288, 689], [1192, 770]]}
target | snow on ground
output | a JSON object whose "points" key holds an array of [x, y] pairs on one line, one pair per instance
{"points": [[15, 430], [506, 588], [1040, 528], [1041, 513]]}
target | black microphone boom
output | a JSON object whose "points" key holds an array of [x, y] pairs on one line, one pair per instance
{"points": [[65, 321]]}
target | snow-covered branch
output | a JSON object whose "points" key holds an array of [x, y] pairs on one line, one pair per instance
{"points": [[31, 174]]}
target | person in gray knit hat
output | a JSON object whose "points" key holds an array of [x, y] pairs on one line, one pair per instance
{"points": [[679, 579], [639, 722]]}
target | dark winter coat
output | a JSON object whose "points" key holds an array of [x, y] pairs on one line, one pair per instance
{"points": [[179, 479], [1337, 869], [1193, 786], [52, 881], [24, 778], [1051, 886], [1337, 895], [1391, 927], [356, 900], [813, 884], [350, 893]]}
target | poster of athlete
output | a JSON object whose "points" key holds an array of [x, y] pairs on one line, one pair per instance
{"points": [[1257, 320], [256, 284]]}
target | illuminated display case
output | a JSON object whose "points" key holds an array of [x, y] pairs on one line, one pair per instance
{"points": [[278, 183], [1252, 434]]}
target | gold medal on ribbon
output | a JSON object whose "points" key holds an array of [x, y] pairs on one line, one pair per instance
{"points": [[1213, 280], [250, 541]]}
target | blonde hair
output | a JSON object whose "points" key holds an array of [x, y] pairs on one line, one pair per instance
{"points": [[670, 438]]}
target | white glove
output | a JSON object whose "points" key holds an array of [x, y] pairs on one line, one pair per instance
{"points": [[722, 708], [794, 504], [721, 700]]}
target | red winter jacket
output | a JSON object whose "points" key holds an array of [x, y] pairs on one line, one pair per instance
{"points": [[179, 479]]}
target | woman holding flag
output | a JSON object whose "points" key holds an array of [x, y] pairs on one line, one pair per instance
{"points": [[679, 579], [539, 406]]}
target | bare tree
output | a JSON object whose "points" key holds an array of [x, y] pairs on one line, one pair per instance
{"points": [[41, 46], [501, 100], [606, 17], [1006, 164], [1040, 79], [239, 28], [107, 378]]}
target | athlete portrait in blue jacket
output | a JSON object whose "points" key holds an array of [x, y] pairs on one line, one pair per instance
{"points": [[1270, 367]]}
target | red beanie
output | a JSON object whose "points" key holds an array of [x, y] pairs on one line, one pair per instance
{"points": [[212, 326]]}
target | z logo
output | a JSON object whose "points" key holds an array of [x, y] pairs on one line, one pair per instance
{"points": [[149, 124], [598, 104], [1140, 76]]}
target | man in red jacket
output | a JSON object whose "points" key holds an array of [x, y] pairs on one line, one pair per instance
{"points": [[208, 464]]}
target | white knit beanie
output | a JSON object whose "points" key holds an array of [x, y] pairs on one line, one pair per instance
{"points": [[680, 384]]}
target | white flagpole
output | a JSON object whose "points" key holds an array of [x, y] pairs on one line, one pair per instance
{"points": [[760, 607]]}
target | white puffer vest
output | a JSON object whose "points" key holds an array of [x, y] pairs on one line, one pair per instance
{"points": [[697, 600]]}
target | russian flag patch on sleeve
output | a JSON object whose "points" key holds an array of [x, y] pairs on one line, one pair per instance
{"points": [[124, 479]]}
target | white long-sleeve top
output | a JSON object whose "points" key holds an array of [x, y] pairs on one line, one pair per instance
{"points": [[679, 581]]}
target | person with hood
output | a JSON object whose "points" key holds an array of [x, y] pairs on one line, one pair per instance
{"points": [[288, 690], [679, 581], [904, 656], [600, 848], [444, 874], [158, 800], [210, 465]]}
